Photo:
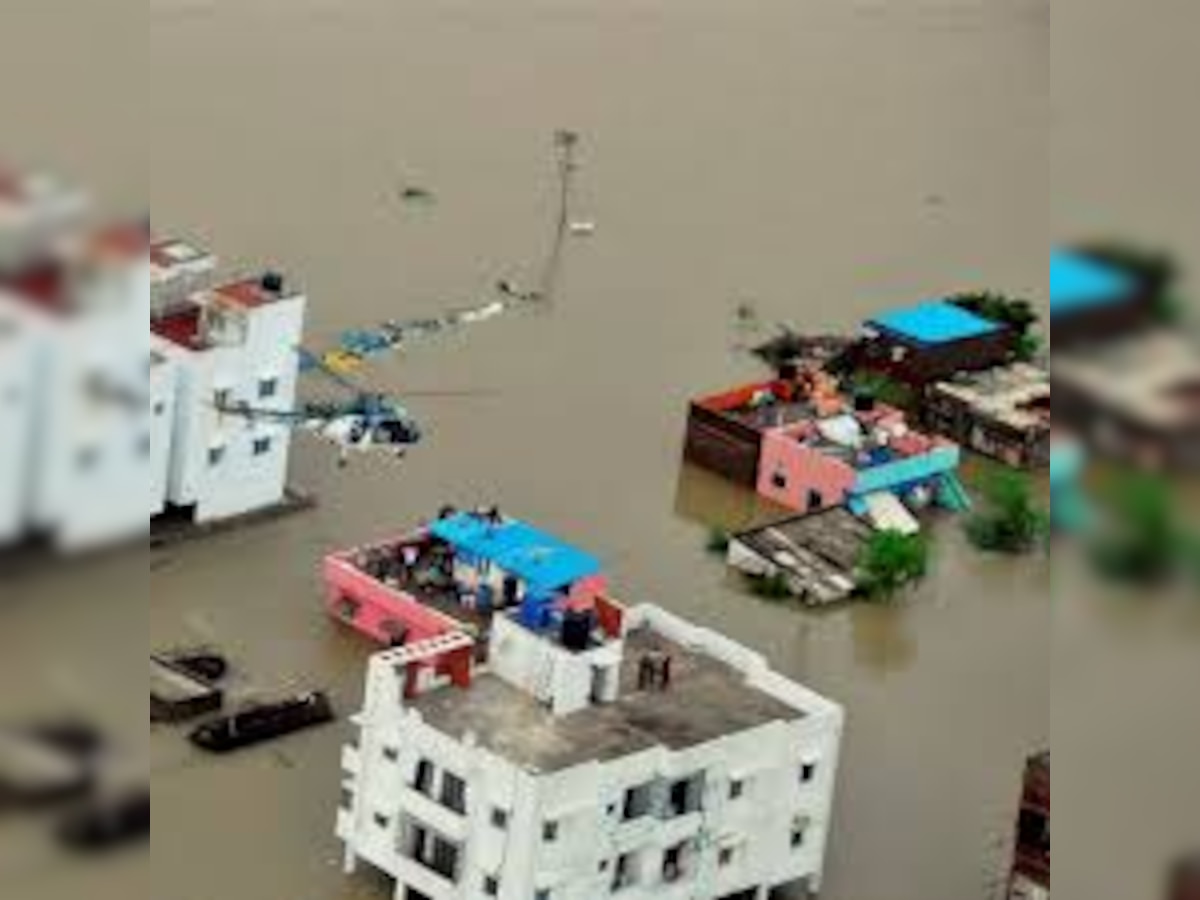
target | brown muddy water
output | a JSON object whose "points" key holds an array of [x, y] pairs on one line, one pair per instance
{"points": [[822, 158]]}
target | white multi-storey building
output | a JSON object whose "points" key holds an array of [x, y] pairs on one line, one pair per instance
{"points": [[231, 346], [662, 760], [114, 358]]}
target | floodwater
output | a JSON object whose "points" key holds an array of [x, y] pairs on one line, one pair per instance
{"points": [[822, 158]]}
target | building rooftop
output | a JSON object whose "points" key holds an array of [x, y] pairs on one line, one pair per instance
{"points": [[1017, 396], [250, 293], [181, 327], [819, 550], [1149, 378], [935, 322], [544, 562], [706, 700], [1078, 282]]}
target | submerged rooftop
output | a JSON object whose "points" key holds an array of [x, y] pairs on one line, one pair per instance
{"points": [[1149, 378], [1017, 396], [706, 700]]}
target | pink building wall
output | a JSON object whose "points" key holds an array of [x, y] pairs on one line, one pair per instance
{"points": [[378, 605], [802, 469]]}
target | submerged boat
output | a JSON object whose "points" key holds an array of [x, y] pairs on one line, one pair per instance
{"points": [[262, 722], [108, 823]]}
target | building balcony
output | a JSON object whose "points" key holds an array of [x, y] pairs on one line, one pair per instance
{"points": [[452, 824]]}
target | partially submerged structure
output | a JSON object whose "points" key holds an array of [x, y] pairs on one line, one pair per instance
{"points": [[454, 574], [1134, 398], [806, 446], [1093, 301], [1002, 413], [226, 344], [109, 424], [1124, 381], [622, 752], [1030, 879], [815, 555], [931, 341]]}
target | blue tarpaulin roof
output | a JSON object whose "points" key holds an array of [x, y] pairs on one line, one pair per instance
{"points": [[542, 561], [1077, 283], [935, 322]]}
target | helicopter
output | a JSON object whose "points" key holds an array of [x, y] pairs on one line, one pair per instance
{"points": [[371, 421]]}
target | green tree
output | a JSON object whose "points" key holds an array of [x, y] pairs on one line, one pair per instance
{"points": [[890, 561], [1144, 541], [1008, 521]]}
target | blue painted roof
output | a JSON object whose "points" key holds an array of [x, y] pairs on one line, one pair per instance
{"points": [[935, 322], [542, 561], [1077, 282]]}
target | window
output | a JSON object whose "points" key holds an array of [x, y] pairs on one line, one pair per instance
{"points": [[499, 817], [672, 867], [799, 832], [454, 793], [216, 456], [423, 781], [550, 831], [780, 480], [262, 446], [685, 796], [725, 857], [347, 799], [222, 397], [815, 500], [268, 388], [381, 820], [637, 802], [737, 787], [491, 886], [391, 754], [432, 851], [542, 894], [808, 773], [625, 872], [160, 408]]}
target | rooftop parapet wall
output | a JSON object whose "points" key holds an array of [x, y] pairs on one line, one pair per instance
{"points": [[36, 211]]}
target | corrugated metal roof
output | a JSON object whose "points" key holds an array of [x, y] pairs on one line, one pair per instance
{"points": [[1077, 282], [543, 561], [935, 322]]}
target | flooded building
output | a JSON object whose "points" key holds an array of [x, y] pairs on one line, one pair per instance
{"points": [[1134, 398], [117, 357], [930, 341], [454, 573], [1003, 413], [804, 445], [74, 302], [816, 555], [620, 751], [1030, 879], [1124, 382], [1092, 301], [232, 345]]}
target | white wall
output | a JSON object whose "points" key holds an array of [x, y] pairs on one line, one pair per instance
{"points": [[20, 340], [93, 485]]}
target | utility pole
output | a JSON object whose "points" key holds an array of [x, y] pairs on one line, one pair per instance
{"points": [[566, 144]]}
